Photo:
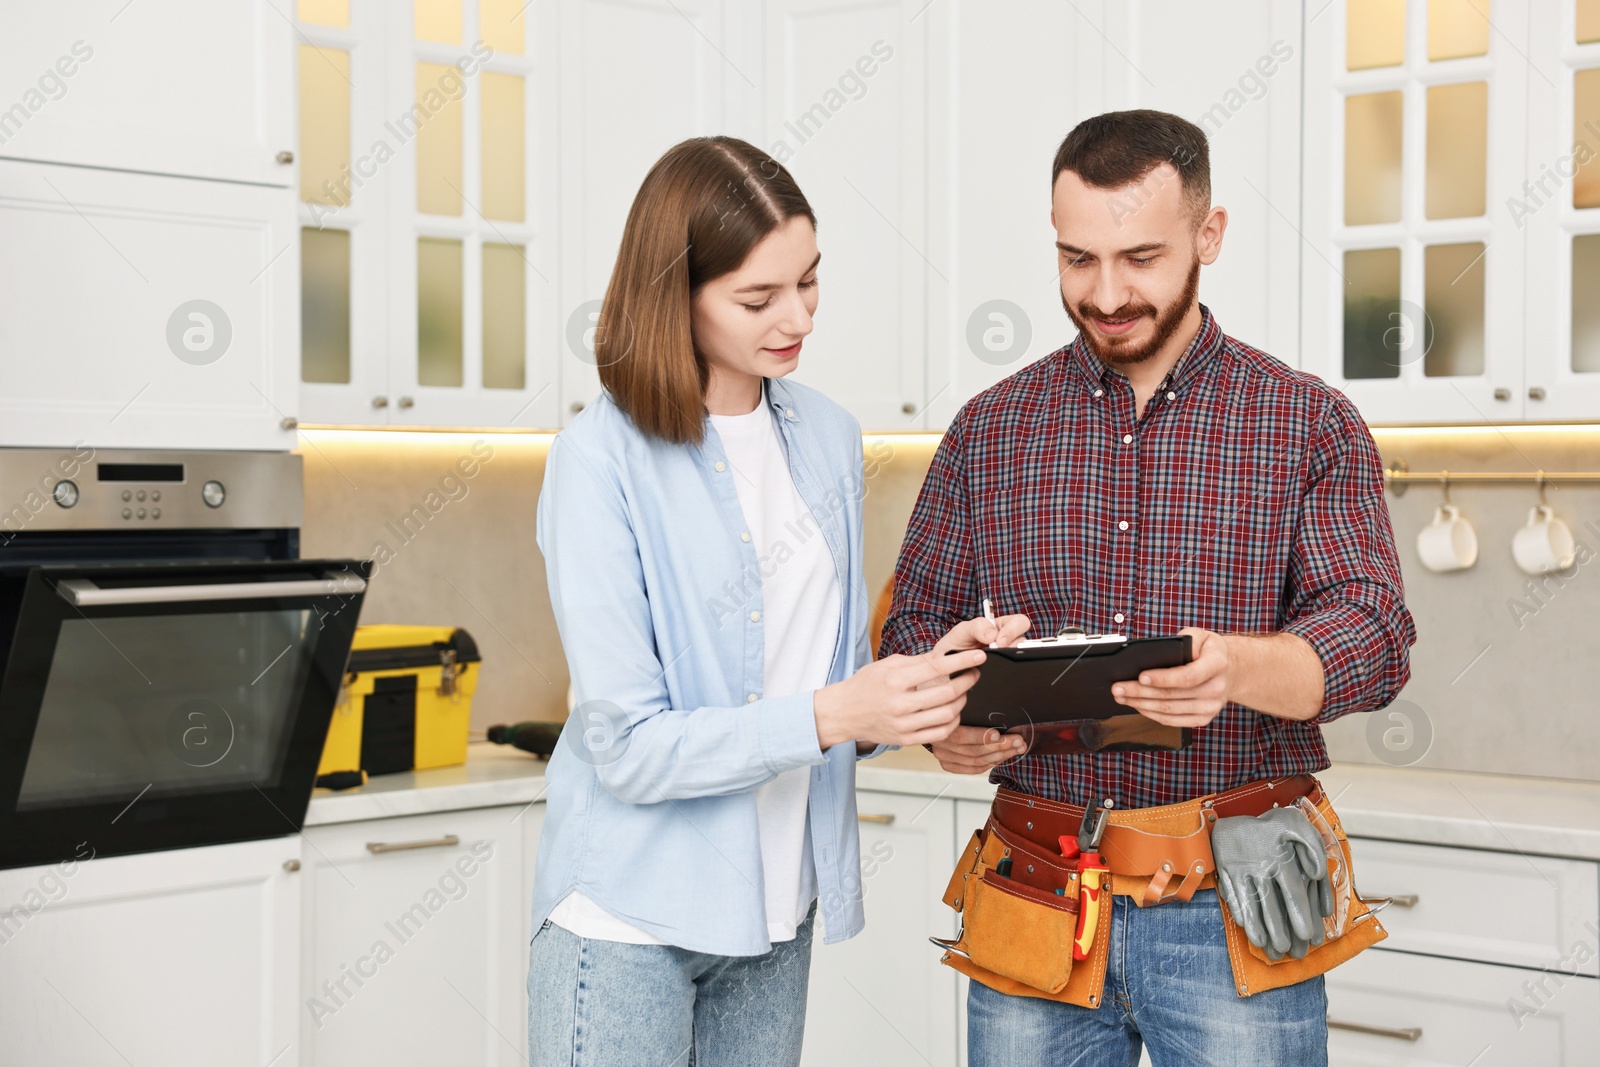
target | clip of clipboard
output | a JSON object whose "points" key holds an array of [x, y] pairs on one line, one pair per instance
{"points": [[1056, 693]]}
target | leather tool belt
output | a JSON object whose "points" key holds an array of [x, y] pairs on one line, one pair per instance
{"points": [[1019, 897]]}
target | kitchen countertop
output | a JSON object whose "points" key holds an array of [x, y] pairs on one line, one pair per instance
{"points": [[1544, 816]]}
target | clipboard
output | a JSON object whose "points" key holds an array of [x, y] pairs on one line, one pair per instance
{"points": [[1056, 693]]}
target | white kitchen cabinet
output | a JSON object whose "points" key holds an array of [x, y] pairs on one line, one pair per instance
{"points": [[851, 95], [183, 957], [637, 77], [1398, 1009], [139, 311], [183, 87], [1563, 277], [415, 939], [422, 309], [1439, 903], [882, 997], [1411, 251]]}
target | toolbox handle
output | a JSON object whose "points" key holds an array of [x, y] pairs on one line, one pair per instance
{"points": [[447, 841]]}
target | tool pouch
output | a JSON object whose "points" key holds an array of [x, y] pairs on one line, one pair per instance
{"points": [[1016, 930], [1353, 927]]}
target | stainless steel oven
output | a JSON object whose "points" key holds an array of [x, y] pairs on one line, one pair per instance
{"points": [[170, 664]]}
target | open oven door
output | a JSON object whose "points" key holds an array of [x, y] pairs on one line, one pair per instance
{"points": [[165, 705]]}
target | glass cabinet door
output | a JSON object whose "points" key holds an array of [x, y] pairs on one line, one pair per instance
{"points": [[1414, 136]]}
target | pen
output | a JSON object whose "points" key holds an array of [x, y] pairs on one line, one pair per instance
{"points": [[988, 613]]}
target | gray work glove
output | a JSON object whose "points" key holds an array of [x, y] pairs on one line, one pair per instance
{"points": [[1272, 872]]}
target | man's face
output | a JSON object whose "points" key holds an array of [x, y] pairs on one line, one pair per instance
{"points": [[1130, 260]]}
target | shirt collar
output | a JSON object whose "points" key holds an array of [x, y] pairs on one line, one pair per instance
{"points": [[1200, 354]]}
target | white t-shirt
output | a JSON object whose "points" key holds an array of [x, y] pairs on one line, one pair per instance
{"points": [[800, 607]]}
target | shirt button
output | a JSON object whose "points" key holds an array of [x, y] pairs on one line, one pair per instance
{"points": [[1127, 438], [755, 616], [1172, 396], [1117, 617], [721, 466], [1123, 525], [789, 412], [744, 537], [1099, 392], [751, 699]]}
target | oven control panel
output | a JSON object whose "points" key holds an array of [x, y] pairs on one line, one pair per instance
{"points": [[88, 489]]}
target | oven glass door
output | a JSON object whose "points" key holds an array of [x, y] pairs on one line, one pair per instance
{"points": [[169, 705]]}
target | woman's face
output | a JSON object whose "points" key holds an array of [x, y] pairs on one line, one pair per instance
{"points": [[750, 322]]}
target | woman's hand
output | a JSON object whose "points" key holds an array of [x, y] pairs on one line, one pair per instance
{"points": [[897, 700]]}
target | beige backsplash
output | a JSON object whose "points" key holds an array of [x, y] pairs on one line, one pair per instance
{"points": [[1503, 690]]}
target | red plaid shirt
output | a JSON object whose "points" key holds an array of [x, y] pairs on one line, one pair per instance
{"points": [[1248, 498]]}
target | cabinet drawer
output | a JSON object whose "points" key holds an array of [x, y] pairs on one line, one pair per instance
{"points": [[1422, 1010], [1493, 907]]}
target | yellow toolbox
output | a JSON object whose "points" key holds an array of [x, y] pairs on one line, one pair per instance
{"points": [[405, 702]]}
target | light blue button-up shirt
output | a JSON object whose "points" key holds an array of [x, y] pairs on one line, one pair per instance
{"points": [[651, 808]]}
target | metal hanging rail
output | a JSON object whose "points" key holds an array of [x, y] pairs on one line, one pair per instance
{"points": [[1398, 476]]}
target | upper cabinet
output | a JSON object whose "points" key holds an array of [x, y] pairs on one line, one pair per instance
{"points": [[1557, 206], [149, 287], [139, 311], [427, 212], [637, 77], [851, 96], [162, 86], [1446, 274]]}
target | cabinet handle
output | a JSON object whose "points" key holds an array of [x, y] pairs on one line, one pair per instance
{"points": [[1536, 393], [447, 841], [285, 156], [1399, 900], [291, 865], [1502, 394], [577, 406], [406, 402], [908, 408], [881, 820], [1399, 1033], [380, 401], [289, 423]]}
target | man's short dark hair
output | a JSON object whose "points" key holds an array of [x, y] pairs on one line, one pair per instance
{"points": [[1118, 148]]}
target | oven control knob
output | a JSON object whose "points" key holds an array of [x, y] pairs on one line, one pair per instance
{"points": [[213, 494], [65, 493]]}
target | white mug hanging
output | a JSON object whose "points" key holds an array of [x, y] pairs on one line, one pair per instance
{"points": [[1448, 543]]}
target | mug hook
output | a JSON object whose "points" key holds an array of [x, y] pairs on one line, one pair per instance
{"points": [[1444, 480], [1540, 479]]}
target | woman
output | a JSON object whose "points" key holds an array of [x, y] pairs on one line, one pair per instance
{"points": [[701, 527]]}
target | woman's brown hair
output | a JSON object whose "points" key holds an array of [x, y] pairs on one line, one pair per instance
{"points": [[701, 209]]}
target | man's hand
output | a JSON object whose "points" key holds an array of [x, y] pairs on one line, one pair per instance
{"points": [[1274, 674], [975, 749], [1190, 695]]}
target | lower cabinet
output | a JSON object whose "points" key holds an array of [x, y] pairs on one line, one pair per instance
{"points": [[172, 958], [882, 997], [1490, 960], [1397, 1008], [415, 939]]}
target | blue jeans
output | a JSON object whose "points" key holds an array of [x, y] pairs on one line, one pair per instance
{"points": [[1168, 985], [606, 1004]]}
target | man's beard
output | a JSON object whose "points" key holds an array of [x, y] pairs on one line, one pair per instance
{"points": [[1123, 352]]}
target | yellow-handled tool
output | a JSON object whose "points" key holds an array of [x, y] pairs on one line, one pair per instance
{"points": [[1092, 870]]}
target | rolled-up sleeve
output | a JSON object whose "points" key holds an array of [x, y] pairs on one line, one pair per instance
{"points": [[933, 586], [1344, 594]]}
